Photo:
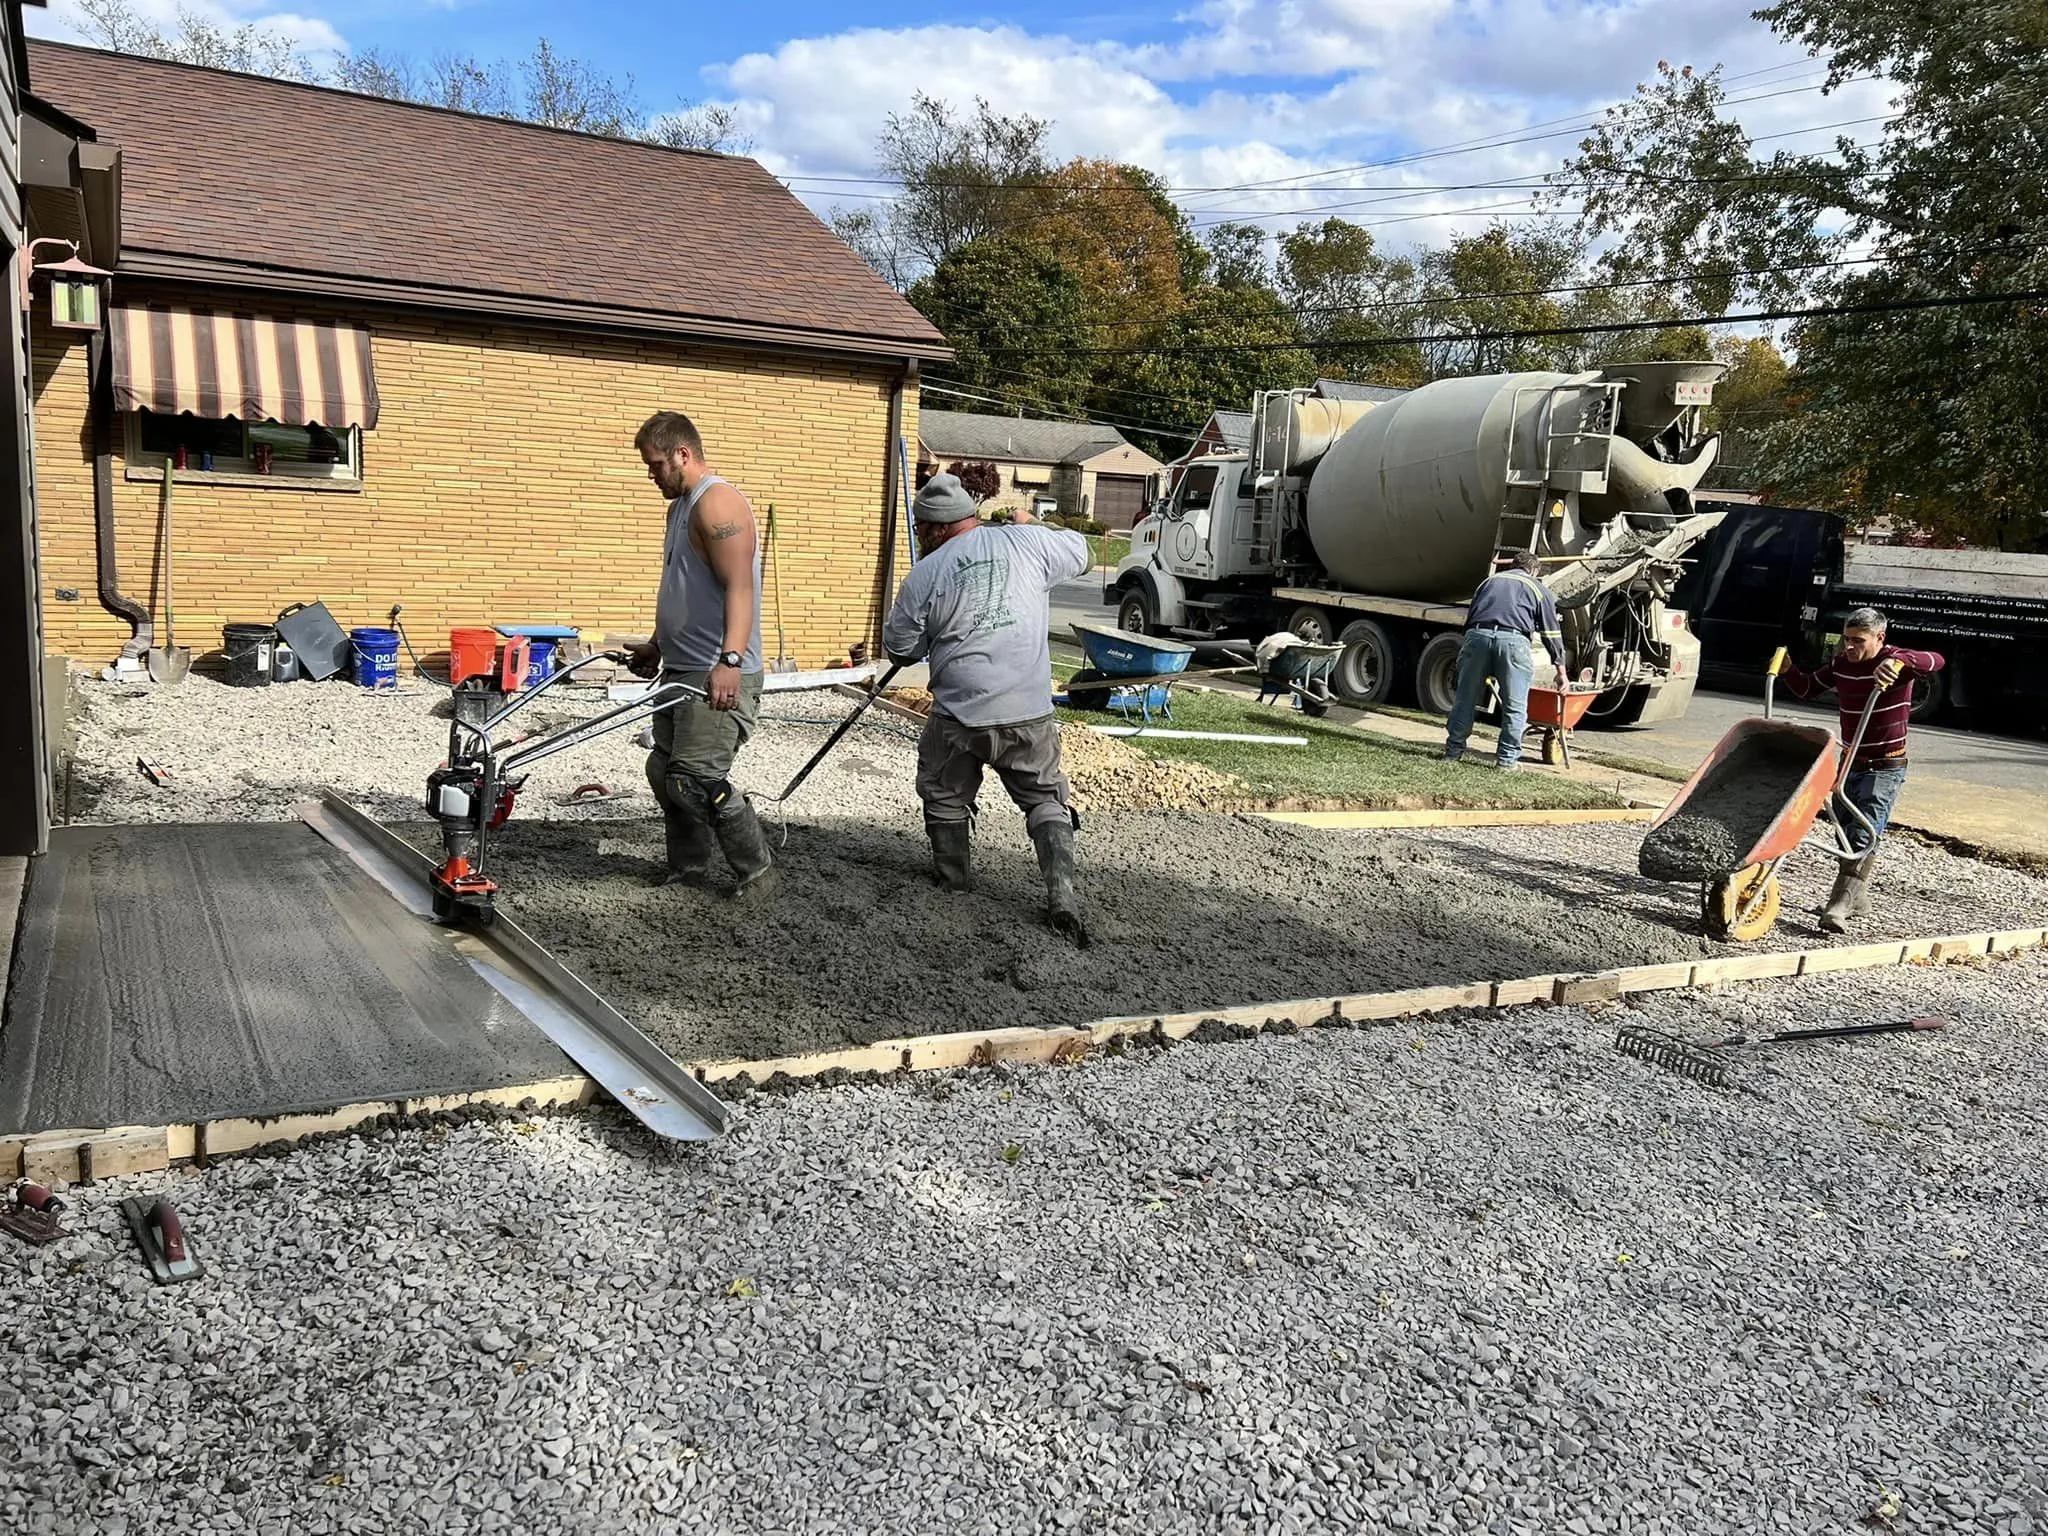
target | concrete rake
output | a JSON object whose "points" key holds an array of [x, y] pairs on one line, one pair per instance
{"points": [[1706, 1061]]}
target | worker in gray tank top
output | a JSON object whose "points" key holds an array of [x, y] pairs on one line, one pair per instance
{"points": [[707, 633]]}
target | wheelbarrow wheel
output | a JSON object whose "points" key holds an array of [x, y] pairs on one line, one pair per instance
{"points": [[1737, 909], [1553, 749], [1081, 696]]}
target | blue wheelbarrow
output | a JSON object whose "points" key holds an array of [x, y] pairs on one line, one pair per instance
{"points": [[1126, 672]]}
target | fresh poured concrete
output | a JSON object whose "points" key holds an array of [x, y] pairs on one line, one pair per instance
{"points": [[176, 973]]}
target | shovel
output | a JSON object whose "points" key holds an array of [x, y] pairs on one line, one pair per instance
{"points": [[783, 661], [169, 662]]}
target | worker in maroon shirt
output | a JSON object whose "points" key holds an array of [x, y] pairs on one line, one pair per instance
{"points": [[1865, 662]]}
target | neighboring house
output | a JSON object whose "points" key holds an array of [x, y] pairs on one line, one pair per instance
{"points": [[416, 345], [1088, 471]]}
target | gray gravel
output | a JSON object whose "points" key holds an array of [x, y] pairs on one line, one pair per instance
{"points": [[1472, 1273], [247, 754]]}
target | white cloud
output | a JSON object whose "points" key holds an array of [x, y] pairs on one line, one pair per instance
{"points": [[311, 35]]}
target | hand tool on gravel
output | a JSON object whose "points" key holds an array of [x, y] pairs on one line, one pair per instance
{"points": [[832, 741], [31, 1214], [1703, 1061], [161, 1236], [169, 662]]}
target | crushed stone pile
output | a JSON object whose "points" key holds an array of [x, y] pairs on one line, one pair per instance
{"points": [[1109, 775], [1468, 1275]]}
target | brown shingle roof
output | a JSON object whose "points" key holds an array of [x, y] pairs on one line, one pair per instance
{"points": [[266, 183]]}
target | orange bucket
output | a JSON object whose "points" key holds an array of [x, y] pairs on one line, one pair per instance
{"points": [[471, 653]]}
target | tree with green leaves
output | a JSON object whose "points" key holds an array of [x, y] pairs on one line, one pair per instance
{"points": [[1344, 292], [1179, 375], [1919, 394], [1017, 318], [1237, 256]]}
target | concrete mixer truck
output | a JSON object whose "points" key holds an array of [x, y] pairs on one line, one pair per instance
{"points": [[1369, 524]]}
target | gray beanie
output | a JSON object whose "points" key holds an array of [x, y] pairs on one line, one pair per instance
{"points": [[943, 500]]}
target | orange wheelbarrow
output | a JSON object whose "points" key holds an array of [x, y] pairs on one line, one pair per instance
{"points": [[1556, 712], [1764, 786]]}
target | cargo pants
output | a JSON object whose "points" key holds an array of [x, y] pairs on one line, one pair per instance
{"points": [[694, 744], [1026, 757]]}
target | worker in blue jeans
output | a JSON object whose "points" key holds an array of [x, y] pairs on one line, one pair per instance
{"points": [[1511, 608]]}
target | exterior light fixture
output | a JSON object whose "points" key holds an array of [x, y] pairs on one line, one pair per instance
{"points": [[77, 302]]}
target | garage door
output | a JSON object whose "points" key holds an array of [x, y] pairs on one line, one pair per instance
{"points": [[1119, 500]]}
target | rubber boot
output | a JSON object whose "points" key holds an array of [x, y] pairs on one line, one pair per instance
{"points": [[1834, 918], [1055, 844], [745, 844], [1860, 905], [952, 853], [690, 846]]}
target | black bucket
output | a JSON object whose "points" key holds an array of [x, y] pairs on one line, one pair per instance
{"points": [[248, 648]]}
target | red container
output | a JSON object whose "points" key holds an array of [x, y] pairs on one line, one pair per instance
{"points": [[471, 653]]}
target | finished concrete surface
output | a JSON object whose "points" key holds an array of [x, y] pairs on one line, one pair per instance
{"points": [[174, 973]]}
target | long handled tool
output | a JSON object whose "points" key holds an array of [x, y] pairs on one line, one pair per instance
{"points": [[783, 661], [169, 662], [832, 741], [1703, 1061]]}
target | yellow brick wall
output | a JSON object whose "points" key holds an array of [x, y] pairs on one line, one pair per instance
{"points": [[501, 485]]}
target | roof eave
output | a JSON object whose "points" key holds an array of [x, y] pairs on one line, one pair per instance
{"points": [[174, 267]]}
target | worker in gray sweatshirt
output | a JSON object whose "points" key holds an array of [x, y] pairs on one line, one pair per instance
{"points": [[975, 607]]}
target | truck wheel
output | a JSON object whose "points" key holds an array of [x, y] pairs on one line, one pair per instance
{"points": [[1134, 615], [1436, 674], [1364, 673], [1311, 624], [1929, 694]]}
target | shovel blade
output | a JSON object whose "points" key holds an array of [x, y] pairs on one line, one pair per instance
{"points": [[169, 664]]}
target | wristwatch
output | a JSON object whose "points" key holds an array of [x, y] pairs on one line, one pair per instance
{"points": [[730, 659]]}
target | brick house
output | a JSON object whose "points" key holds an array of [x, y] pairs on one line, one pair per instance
{"points": [[1087, 470], [413, 346]]}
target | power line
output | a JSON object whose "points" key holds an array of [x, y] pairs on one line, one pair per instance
{"points": [[1227, 215], [1535, 333]]}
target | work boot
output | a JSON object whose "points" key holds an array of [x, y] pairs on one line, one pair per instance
{"points": [[952, 854], [690, 846], [1860, 906], [1842, 901], [1055, 844], [745, 844]]}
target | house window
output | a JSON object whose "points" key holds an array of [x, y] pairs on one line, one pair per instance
{"points": [[310, 452]]}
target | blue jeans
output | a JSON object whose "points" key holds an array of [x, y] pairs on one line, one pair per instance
{"points": [[1503, 656], [1873, 791]]}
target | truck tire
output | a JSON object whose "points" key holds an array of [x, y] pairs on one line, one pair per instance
{"points": [[1364, 673], [1135, 614], [1930, 693], [1436, 673], [1312, 624]]}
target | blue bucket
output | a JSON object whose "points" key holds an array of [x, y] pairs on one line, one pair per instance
{"points": [[540, 661], [376, 654]]}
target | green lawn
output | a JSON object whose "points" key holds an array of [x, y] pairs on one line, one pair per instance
{"points": [[1343, 765], [1108, 548]]}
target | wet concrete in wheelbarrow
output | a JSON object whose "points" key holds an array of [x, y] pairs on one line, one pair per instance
{"points": [[1187, 911], [1730, 811]]}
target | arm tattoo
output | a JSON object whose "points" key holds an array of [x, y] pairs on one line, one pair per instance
{"points": [[723, 530]]}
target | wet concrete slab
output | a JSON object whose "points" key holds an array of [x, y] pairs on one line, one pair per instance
{"points": [[167, 974]]}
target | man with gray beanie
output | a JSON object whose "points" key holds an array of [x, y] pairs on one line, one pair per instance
{"points": [[976, 607]]}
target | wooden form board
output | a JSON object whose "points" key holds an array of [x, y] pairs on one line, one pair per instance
{"points": [[1462, 818], [67, 1156]]}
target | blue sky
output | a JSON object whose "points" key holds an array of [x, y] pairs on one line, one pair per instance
{"points": [[1211, 93]]}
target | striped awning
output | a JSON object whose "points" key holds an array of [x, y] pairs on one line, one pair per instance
{"points": [[212, 363]]}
